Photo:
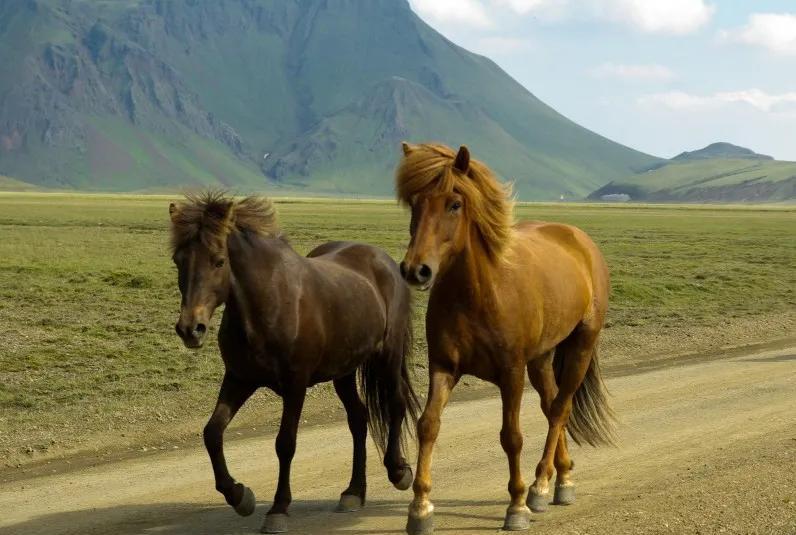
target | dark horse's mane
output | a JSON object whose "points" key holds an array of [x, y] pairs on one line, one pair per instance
{"points": [[211, 215]]}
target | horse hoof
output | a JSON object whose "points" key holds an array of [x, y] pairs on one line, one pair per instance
{"points": [[275, 523], [406, 480], [349, 503], [537, 502], [420, 526], [247, 503], [565, 495], [519, 520]]}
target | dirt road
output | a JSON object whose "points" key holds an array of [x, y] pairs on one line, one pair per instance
{"points": [[705, 448]]}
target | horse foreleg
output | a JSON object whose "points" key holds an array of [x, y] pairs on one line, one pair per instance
{"points": [[353, 497], [292, 403], [421, 510], [518, 516], [231, 397]]}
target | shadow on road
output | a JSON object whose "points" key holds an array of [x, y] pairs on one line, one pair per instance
{"points": [[306, 517], [775, 358]]}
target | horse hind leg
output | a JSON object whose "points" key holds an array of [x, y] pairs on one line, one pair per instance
{"points": [[542, 376], [391, 397], [575, 355], [353, 497]]}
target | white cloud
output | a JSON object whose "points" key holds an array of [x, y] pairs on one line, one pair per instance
{"points": [[774, 31], [523, 7], [650, 72], [756, 98], [657, 16], [467, 12], [649, 16]]}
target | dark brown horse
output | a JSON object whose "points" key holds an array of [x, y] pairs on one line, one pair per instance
{"points": [[505, 300], [291, 322]]}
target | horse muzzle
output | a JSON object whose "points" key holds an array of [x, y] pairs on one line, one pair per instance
{"points": [[419, 275], [192, 335]]}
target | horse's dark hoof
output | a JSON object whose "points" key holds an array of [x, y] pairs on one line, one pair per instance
{"points": [[537, 502], [518, 519], [420, 526], [275, 523], [349, 503], [565, 495], [247, 503], [406, 480]]}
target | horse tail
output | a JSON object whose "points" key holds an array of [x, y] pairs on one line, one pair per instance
{"points": [[385, 377], [591, 420]]}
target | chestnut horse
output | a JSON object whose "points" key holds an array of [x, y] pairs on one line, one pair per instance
{"points": [[291, 322], [505, 300]]}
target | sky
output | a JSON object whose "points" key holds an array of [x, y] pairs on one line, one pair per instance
{"points": [[661, 76]]}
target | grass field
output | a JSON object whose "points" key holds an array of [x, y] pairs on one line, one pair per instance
{"points": [[88, 300]]}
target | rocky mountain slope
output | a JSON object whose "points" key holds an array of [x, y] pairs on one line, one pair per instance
{"points": [[310, 95]]}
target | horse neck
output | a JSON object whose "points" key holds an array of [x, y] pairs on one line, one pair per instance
{"points": [[471, 276], [260, 271]]}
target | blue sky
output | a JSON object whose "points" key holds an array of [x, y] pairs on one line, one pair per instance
{"points": [[661, 76]]}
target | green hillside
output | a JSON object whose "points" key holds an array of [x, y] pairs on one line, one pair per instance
{"points": [[11, 184], [309, 95], [741, 176]]}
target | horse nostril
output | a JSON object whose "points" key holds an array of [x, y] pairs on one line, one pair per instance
{"points": [[423, 273], [200, 329], [402, 267]]}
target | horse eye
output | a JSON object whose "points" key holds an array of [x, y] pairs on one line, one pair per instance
{"points": [[455, 206], [220, 263]]}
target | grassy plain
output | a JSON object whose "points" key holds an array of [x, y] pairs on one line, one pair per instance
{"points": [[88, 300]]}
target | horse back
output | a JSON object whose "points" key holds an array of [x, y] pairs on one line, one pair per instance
{"points": [[558, 251], [357, 262]]}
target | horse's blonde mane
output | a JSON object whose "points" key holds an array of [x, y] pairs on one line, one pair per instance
{"points": [[429, 168], [210, 216]]}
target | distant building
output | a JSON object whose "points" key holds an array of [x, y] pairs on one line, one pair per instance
{"points": [[615, 197]]}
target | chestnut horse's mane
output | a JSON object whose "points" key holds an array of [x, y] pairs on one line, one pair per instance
{"points": [[429, 168], [211, 215]]}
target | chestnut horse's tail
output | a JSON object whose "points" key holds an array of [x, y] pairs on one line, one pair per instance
{"points": [[386, 385], [591, 421]]}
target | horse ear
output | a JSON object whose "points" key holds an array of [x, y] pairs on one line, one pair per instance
{"points": [[229, 219], [407, 148], [173, 212], [462, 161]]}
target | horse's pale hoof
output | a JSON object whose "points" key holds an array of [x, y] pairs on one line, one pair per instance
{"points": [[276, 523], [247, 503], [349, 503], [537, 502], [565, 495], [406, 480], [420, 526], [517, 520]]}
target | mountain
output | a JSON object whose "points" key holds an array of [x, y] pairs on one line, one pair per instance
{"points": [[721, 150], [308, 95], [720, 172]]}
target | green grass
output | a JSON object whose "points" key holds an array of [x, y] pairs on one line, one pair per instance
{"points": [[12, 184], [88, 301]]}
